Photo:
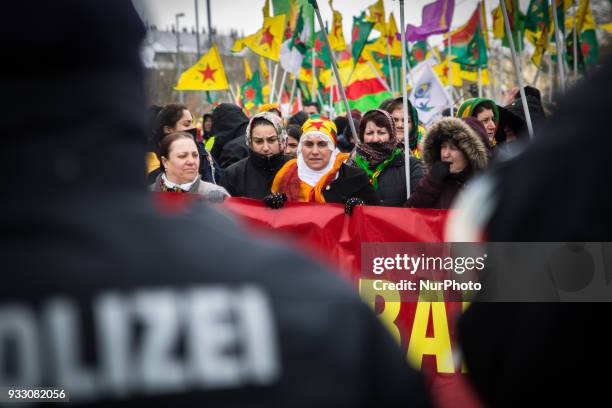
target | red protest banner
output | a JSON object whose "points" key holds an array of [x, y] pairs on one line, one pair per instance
{"points": [[425, 330]]}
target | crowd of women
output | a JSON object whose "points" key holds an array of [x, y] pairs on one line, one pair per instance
{"points": [[310, 158]]}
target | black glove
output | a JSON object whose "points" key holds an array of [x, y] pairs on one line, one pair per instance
{"points": [[275, 200], [350, 203], [440, 170]]}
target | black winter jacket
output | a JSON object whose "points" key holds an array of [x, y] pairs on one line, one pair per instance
{"points": [[252, 176], [391, 190], [351, 182], [229, 123]]}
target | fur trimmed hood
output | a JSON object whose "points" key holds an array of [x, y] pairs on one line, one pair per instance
{"points": [[462, 136]]}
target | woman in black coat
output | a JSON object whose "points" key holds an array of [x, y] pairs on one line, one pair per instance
{"points": [[252, 176], [319, 174], [380, 156]]}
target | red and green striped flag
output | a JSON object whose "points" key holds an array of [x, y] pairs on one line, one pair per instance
{"points": [[364, 91]]}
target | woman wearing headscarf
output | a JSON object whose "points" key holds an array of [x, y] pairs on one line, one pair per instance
{"points": [[486, 111], [319, 173], [395, 108], [452, 152], [378, 153], [252, 176]]}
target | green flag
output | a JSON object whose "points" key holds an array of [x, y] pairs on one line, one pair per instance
{"points": [[281, 7], [589, 47], [537, 18], [322, 57], [251, 92], [359, 35], [476, 52], [417, 53]]}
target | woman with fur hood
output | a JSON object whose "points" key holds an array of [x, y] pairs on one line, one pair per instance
{"points": [[452, 153]]}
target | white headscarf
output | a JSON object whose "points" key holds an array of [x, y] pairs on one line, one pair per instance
{"points": [[305, 173]]}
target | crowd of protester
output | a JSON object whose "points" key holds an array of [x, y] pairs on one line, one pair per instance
{"points": [[309, 158]]}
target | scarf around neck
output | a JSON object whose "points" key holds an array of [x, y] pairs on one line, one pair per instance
{"points": [[375, 170], [167, 185]]}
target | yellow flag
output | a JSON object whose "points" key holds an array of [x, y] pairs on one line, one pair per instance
{"points": [[473, 76], [247, 69], [379, 46], [483, 23], [584, 20], [206, 75], [263, 68], [336, 35], [266, 9], [305, 75], [267, 41], [606, 27], [395, 45], [498, 22], [442, 71], [377, 16]]}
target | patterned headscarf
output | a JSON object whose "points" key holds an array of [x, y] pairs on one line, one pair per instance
{"points": [[374, 158], [467, 108], [383, 150], [323, 127], [275, 121]]}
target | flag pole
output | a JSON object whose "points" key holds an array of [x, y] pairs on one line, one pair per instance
{"points": [[273, 83], [331, 101], [559, 49], [537, 75], [390, 69], [408, 63], [450, 72], [282, 83], [269, 75], [551, 74], [313, 89], [292, 91], [517, 68], [479, 82], [575, 34], [405, 100], [334, 65], [382, 81], [235, 100]]}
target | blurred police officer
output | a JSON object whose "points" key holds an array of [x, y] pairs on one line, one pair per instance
{"points": [[107, 298]]}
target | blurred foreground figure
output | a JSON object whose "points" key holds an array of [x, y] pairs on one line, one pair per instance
{"points": [[108, 300], [548, 354]]}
